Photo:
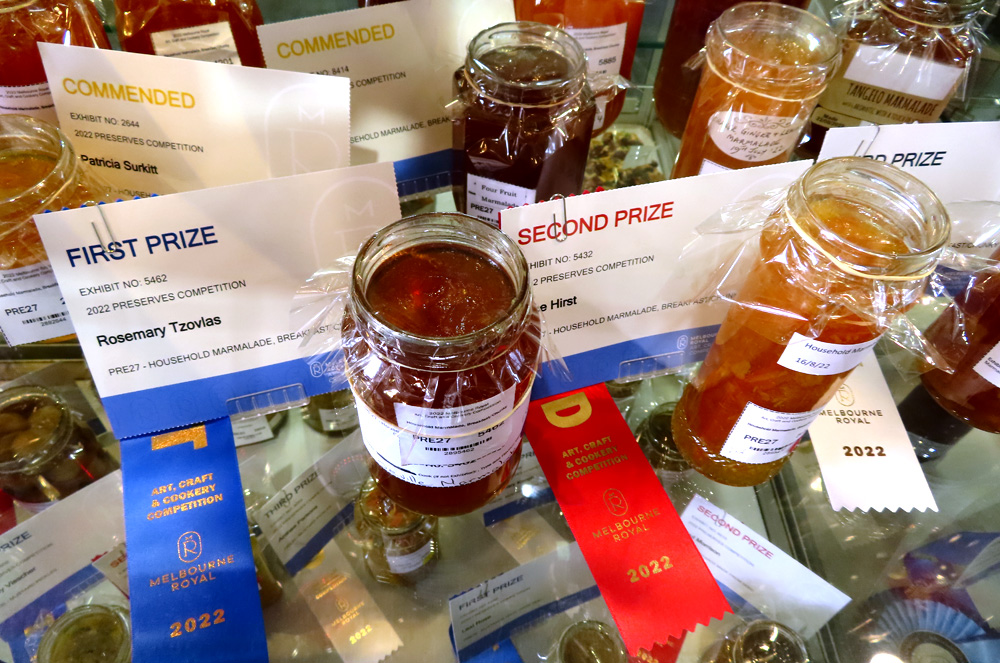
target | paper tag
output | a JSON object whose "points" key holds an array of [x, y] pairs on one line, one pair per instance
{"points": [[454, 421], [252, 431], [633, 540], [114, 566], [31, 305], [815, 357], [213, 42], [34, 100], [526, 536], [753, 138], [600, 265], [864, 452], [408, 562], [604, 47], [709, 167], [338, 418], [989, 366], [486, 198], [759, 572], [191, 308], [149, 124], [763, 436], [400, 59], [36, 555]]}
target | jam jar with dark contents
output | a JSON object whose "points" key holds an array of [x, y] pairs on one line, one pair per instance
{"points": [[441, 342], [46, 452], [524, 118]]}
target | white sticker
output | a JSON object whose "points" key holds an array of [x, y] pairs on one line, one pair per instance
{"points": [[34, 100], [605, 47], [752, 137], [209, 43], [409, 562], [764, 436], [453, 421], [887, 68], [486, 198], [338, 418], [989, 366], [251, 431], [709, 167], [813, 357], [441, 461], [31, 305]]}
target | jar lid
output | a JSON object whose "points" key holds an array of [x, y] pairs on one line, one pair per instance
{"points": [[765, 641], [35, 425], [656, 439], [591, 641], [88, 633]]}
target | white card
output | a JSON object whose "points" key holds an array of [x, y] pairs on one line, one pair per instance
{"points": [[864, 451], [607, 280], [150, 124], [760, 572], [171, 333], [31, 305], [401, 59]]}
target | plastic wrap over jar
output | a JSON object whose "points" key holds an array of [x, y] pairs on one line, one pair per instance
{"points": [[765, 66], [523, 118], [39, 171], [441, 342], [850, 248], [903, 61]]}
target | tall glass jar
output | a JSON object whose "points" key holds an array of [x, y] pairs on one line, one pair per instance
{"points": [[441, 342], [903, 61], [210, 30], [851, 249], [676, 82], [39, 171], [766, 65], [24, 89], [523, 123], [608, 30]]}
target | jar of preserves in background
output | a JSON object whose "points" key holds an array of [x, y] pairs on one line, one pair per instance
{"points": [[401, 546], [851, 248], [331, 414], [90, 632], [523, 121]]}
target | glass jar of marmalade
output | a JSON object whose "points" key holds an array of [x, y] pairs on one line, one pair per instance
{"points": [[38, 171], [765, 66], [903, 61], [46, 451], [210, 30], [401, 546], [24, 89], [331, 414], [608, 30], [89, 632], [441, 342], [523, 121], [676, 80], [851, 249]]}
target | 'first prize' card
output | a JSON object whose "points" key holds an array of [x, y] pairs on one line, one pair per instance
{"points": [[187, 305], [603, 268], [151, 124]]}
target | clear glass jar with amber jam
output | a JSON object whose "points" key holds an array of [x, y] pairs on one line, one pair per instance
{"points": [[523, 121], [88, 634], [401, 546], [851, 249], [441, 342]]}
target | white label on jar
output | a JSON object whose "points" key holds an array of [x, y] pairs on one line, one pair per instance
{"points": [[442, 461], [752, 137], [209, 43], [708, 167], [451, 421], [485, 198], [34, 100], [31, 305], [812, 357], [338, 418], [989, 366], [885, 67], [409, 562], [605, 48], [251, 431], [764, 436]]}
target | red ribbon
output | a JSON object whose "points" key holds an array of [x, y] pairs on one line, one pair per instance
{"points": [[648, 569]]}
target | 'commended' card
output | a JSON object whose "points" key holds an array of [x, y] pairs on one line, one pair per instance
{"points": [[160, 125], [182, 302]]}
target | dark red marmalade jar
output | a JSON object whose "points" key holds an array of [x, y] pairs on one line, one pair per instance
{"points": [[441, 342]]}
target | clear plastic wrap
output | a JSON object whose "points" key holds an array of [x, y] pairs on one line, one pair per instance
{"points": [[440, 341], [833, 264], [765, 66], [523, 118]]}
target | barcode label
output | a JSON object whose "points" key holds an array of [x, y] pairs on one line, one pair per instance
{"points": [[45, 319]]}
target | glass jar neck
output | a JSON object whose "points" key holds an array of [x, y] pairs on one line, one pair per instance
{"points": [[525, 63], [898, 226], [429, 353], [934, 13], [22, 136]]}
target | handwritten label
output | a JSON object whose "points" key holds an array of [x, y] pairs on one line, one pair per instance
{"points": [[753, 138]]}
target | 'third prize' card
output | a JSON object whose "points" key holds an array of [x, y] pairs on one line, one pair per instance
{"points": [[151, 124], [187, 304]]}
